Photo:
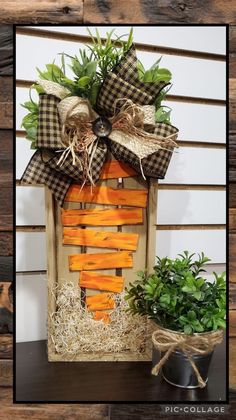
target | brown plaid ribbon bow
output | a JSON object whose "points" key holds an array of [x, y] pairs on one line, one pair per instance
{"points": [[70, 149]]}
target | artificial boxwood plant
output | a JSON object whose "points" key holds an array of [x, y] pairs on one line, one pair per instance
{"points": [[178, 297]]}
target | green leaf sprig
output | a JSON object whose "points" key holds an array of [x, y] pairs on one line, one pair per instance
{"points": [[30, 121]]}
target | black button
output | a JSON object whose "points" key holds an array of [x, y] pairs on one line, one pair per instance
{"points": [[102, 127]]}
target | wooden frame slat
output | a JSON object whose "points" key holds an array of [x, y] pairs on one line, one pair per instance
{"points": [[115, 169], [100, 239], [102, 217], [100, 302], [100, 281], [80, 262], [101, 315], [107, 195]]}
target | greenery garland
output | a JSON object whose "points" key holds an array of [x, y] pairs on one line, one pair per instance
{"points": [[90, 68]]}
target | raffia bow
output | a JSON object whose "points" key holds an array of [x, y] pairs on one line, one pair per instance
{"points": [[168, 341]]}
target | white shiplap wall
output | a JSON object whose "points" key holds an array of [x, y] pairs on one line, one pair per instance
{"points": [[201, 167]]}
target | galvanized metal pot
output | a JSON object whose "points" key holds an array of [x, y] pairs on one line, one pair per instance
{"points": [[178, 371]]}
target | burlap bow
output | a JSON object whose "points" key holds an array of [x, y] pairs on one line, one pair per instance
{"points": [[70, 151]]}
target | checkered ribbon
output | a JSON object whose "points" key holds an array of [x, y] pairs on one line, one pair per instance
{"points": [[122, 83]]}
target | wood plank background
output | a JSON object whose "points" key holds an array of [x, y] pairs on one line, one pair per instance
{"points": [[101, 11], [232, 201], [94, 11], [6, 209]]}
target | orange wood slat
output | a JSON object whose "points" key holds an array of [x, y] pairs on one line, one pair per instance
{"points": [[107, 195], [100, 239], [115, 169], [102, 217], [101, 315], [122, 259], [100, 302], [99, 281]]}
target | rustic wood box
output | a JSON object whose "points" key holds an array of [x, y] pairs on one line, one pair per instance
{"points": [[57, 254]]}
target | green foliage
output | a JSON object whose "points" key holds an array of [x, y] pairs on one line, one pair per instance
{"points": [[157, 74], [154, 74], [177, 297], [108, 54], [90, 67], [30, 121], [162, 112]]}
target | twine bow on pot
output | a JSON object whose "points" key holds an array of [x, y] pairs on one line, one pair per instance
{"points": [[168, 341], [69, 147]]}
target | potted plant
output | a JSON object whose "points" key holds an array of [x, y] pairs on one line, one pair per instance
{"points": [[188, 312]]}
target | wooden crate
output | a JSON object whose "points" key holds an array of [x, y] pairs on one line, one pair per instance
{"points": [[58, 253]]}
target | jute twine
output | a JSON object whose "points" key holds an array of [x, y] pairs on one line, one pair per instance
{"points": [[168, 341]]}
